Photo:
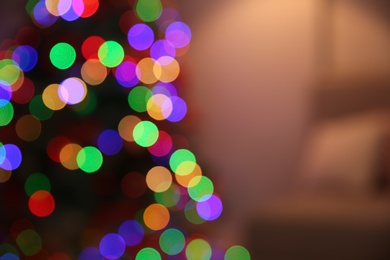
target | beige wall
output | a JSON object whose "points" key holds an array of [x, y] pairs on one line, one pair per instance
{"points": [[361, 37], [250, 70]]}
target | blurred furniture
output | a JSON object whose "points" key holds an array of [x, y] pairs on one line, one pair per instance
{"points": [[340, 209]]}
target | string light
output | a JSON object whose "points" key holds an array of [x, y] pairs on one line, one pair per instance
{"points": [[93, 103]]}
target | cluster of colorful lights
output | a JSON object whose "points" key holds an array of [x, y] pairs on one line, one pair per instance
{"points": [[61, 96]]}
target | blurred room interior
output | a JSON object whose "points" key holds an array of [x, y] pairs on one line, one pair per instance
{"points": [[290, 116], [293, 120]]}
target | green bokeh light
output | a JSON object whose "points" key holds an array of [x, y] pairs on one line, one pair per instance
{"points": [[29, 242], [185, 157], [138, 98], [8, 248], [39, 109], [9, 71], [145, 133], [89, 159], [30, 6], [62, 55], [6, 113], [201, 191], [168, 198], [148, 10], [237, 252], [198, 249], [191, 213], [148, 253], [172, 241], [35, 182], [111, 54]]}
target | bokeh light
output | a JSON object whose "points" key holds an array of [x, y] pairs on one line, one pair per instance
{"points": [[191, 213], [145, 133], [6, 112], [210, 208], [237, 252], [25, 93], [156, 216], [166, 69], [148, 10], [9, 71], [111, 54], [62, 55], [81, 94], [202, 190], [148, 253], [68, 156], [93, 72], [89, 253], [5, 92], [125, 74], [138, 98], [162, 48], [110, 142], [132, 232], [90, 47], [140, 36], [182, 162], [172, 241], [29, 242], [178, 34], [148, 70], [89, 159], [170, 197], [159, 179], [26, 57], [162, 146], [198, 249], [41, 203], [51, 99], [38, 108], [179, 109], [41, 16], [159, 106], [10, 157], [112, 246], [9, 256], [72, 90], [126, 127], [36, 182], [184, 180]]}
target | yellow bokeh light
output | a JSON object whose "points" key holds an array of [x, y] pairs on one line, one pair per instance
{"points": [[51, 99], [166, 69], [68, 156], [159, 106], [184, 180], [159, 179], [148, 71]]}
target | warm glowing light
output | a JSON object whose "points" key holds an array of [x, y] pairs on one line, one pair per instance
{"points": [[159, 179], [156, 216], [41, 203], [68, 156], [51, 99], [93, 72]]}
